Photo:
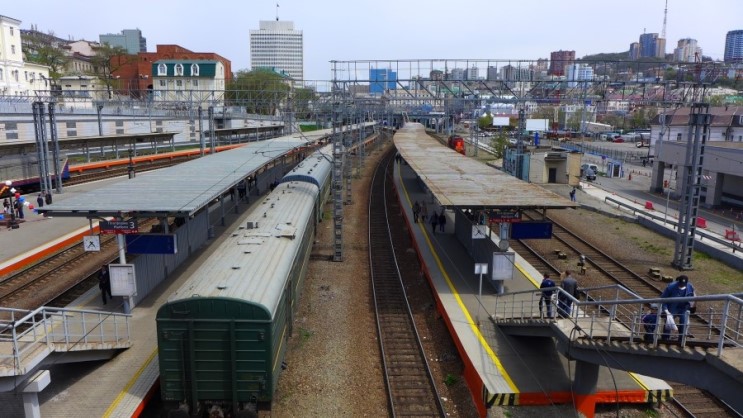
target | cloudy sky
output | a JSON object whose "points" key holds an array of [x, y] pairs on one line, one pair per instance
{"points": [[393, 29]]}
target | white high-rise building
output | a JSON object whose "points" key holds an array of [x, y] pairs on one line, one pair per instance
{"points": [[276, 45]]}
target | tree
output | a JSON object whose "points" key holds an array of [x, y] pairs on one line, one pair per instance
{"points": [[485, 121], [40, 48], [499, 144], [108, 60], [304, 101], [260, 91]]}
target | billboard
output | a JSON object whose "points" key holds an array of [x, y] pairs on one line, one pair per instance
{"points": [[501, 121], [537, 125]]}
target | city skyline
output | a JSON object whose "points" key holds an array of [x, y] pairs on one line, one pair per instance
{"points": [[530, 29]]}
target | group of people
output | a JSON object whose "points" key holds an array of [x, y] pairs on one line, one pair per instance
{"points": [[670, 316], [569, 286], [420, 214]]}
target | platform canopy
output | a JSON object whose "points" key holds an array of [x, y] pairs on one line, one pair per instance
{"points": [[458, 181]]}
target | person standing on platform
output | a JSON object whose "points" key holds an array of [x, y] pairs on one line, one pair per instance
{"points": [[442, 221], [434, 222], [416, 211], [424, 212], [546, 298], [564, 302], [104, 283], [679, 289], [572, 195], [40, 201]]}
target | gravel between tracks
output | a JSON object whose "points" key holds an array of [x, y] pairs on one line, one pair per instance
{"points": [[333, 358]]}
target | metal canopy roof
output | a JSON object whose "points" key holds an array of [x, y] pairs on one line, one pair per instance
{"points": [[458, 181], [73, 143], [180, 190]]}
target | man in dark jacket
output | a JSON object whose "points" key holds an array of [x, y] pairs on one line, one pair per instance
{"points": [[104, 283], [565, 303], [546, 298]]}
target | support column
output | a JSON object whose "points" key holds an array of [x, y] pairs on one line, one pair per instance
{"points": [[37, 383], [584, 388]]}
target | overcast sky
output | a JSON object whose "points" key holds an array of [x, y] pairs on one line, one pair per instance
{"points": [[393, 29]]}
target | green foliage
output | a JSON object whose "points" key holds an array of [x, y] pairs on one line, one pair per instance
{"points": [[39, 49], [499, 143], [107, 60], [651, 413], [485, 121], [260, 91], [309, 128], [451, 380]]}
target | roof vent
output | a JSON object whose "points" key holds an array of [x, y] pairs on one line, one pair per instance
{"points": [[221, 286], [252, 225]]}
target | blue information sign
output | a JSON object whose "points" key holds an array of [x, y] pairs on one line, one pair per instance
{"points": [[531, 230], [151, 244]]}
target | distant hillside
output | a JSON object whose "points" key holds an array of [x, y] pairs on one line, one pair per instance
{"points": [[609, 56]]}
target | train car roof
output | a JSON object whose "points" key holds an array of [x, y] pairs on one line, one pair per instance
{"points": [[253, 264], [458, 181]]}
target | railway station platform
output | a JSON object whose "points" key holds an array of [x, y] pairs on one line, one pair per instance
{"points": [[501, 369], [121, 386]]}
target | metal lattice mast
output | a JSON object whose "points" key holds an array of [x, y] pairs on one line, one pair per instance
{"points": [[337, 173], [520, 148], [348, 142], [699, 121]]}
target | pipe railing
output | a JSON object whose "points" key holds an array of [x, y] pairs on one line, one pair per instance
{"points": [[624, 315], [59, 329]]}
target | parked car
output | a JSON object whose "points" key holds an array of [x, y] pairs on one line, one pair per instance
{"points": [[618, 139], [589, 171]]}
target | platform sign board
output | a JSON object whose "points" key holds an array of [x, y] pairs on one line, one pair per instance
{"points": [[531, 230], [123, 279], [503, 265], [505, 215], [151, 244], [119, 227]]}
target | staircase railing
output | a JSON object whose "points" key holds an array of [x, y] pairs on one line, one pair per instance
{"points": [[614, 312], [59, 329]]}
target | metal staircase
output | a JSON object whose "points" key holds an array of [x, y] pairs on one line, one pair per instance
{"points": [[27, 338]]}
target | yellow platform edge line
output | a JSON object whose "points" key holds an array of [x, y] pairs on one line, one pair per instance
{"points": [[129, 384], [471, 323]]}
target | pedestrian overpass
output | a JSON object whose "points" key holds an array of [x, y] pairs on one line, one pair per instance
{"points": [[606, 329]]}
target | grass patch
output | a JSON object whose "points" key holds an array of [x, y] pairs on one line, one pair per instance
{"points": [[451, 380], [304, 336]]}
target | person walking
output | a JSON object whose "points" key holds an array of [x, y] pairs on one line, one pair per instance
{"points": [[546, 298], [434, 222], [677, 310], [104, 283], [564, 302], [442, 221], [416, 211], [572, 195]]}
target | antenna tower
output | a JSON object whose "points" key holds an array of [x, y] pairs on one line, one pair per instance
{"points": [[277, 13], [665, 19]]}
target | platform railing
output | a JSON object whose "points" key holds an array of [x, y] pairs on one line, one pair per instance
{"points": [[59, 329], [613, 312]]}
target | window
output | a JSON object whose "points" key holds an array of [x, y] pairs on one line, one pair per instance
{"points": [[12, 49], [1, 73], [196, 83], [162, 83], [179, 69], [25, 75], [11, 31], [15, 75], [195, 70], [162, 69], [678, 136], [179, 83]]}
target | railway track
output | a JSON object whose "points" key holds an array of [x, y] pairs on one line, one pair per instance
{"points": [[59, 277], [119, 171], [410, 386], [689, 400]]}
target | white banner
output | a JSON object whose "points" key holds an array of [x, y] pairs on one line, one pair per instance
{"points": [[503, 266], [123, 280]]}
